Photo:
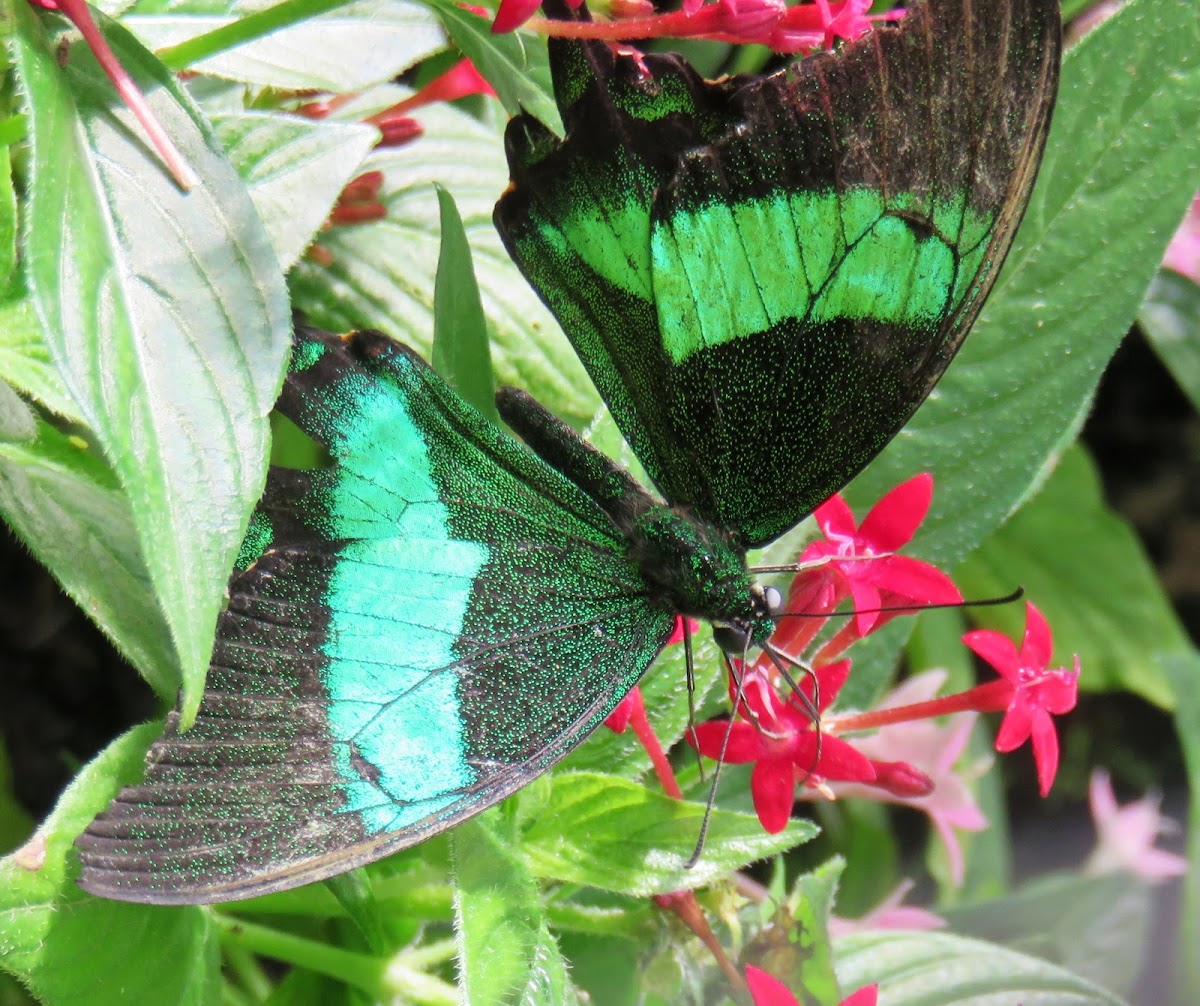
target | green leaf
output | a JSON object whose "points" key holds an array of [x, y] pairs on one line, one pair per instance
{"points": [[620, 836], [16, 420], [515, 63], [382, 273], [356, 898], [506, 953], [1118, 173], [933, 969], [294, 170], [8, 219], [460, 337], [65, 504], [811, 901], [165, 314], [1097, 927], [69, 947], [348, 49], [1170, 317], [793, 945], [25, 360], [1085, 568]]}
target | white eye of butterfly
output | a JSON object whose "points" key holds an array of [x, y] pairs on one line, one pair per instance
{"points": [[774, 600]]}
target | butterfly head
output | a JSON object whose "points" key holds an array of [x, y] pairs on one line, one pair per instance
{"points": [[736, 636], [697, 569]]}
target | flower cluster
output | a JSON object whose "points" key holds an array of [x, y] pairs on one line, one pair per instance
{"points": [[799, 28], [781, 720]]}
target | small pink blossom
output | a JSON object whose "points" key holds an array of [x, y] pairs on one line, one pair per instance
{"points": [[934, 749], [890, 913], [800, 27], [1183, 253], [1126, 835], [359, 202]]}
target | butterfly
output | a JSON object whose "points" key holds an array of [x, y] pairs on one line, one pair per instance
{"points": [[764, 276]]}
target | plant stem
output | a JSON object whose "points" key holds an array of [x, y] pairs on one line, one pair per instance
{"points": [[361, 971]]}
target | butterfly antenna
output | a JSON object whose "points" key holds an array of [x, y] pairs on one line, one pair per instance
{"points": [[906, 609], [812, 706], [712, 789]]}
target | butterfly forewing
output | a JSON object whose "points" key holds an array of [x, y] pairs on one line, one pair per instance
{"points": [[415, 633], [765, 276]]}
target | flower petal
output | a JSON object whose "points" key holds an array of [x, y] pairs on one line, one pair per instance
{"points": [[1016, 726], [868, 995], [618, 720], [914, 580], [1038, 644], [1045, 750], [835, 518], [840, 761], [997, 649], [512, 14], [767, 990], [773, 787], [895, 518], [866, 600], [744, 745]]}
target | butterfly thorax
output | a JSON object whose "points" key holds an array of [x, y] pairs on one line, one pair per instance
{"points": [[690, 565], [696, 569]]}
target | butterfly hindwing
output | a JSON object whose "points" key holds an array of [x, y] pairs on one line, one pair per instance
{"points": [[765, 276], [412, 634]]}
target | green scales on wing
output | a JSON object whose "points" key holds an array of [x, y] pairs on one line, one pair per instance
{"points": [[765, 276]]}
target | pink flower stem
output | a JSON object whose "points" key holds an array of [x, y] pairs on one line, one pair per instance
{"points": [[685, 905], [77, 12], [658, 758], [992, 697]]}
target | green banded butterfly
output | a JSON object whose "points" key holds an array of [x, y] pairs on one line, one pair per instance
{"points": [[764, 276]]}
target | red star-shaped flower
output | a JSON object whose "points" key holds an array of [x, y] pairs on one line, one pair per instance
{"points": [[779, 738], [1032, 692], [859, 562]]}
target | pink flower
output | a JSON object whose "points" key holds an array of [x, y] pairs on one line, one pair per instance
{"points": [[767, 990], [932, 749], [514, 13], [394, 123], [1031, 692], [779, 738], [890, 913], [359, 202], [1183, 253], [1126, 835]]}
